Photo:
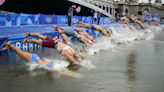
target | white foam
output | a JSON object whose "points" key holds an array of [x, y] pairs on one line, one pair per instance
{"points": [[122, 34], [58, 65], [88, 64], [102, 43]]}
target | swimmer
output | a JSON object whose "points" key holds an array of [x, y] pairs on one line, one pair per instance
{"points": [[26, 55], [141, 25], [65, 33], [95, 27], [34, 58], [126, 20], [138, 23], [55, 43], [85, 34]]}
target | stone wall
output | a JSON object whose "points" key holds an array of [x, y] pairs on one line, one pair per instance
{"points": [[152, 9], [133, 9]]}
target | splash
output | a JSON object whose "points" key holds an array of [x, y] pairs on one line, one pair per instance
{"points": [[88, 64], [103, 43], [59, 69], [122, 34], [57, 65]]}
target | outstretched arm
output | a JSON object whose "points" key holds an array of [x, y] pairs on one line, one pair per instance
{"points": [[37, 35], [39, 42], [85, 25], [58, 28], [83, 33]]}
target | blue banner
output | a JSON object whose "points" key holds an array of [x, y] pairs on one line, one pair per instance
{"points": [[104, 20], [29, 19], [75, 19], [39, 19], [89, 20], [61, 20], [47, 19], [79, 18], [2, 20], [12, 20]]}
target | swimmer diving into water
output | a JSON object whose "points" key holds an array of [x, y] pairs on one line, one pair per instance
{"points": [[65, 33], [34, 58], [95, 27], [55, 43]]}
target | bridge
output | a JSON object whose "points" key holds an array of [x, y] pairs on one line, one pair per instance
{"points": [[105, 7]]}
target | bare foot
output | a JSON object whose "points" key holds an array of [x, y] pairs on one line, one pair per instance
{"points": [[8, 43], [27, 34], [6, 46]]}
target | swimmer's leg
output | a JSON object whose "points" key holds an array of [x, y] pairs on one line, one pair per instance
{"points": [[87, 44], [66, 40], [70, 58], [77, 56], [141, 25], [82, 40], [23, 54], [88, 36]]}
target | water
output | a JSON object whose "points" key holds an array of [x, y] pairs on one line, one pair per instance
{"points": [[135, 66]]}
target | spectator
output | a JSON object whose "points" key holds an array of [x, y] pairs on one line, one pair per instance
{"points": [[99, 16], [95, 17]]}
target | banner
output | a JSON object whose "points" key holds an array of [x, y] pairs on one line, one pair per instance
{"points": [[88, 20], [2, 20], [75, 19], [29, 19], [12, 20], [39, 19], [47, 19], [61, 20], [104, 20]]}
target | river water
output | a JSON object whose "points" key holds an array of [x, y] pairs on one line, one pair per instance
{"points": [[132, 67]]}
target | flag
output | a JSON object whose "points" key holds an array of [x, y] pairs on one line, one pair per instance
{"points": [[78, 9], [1, 2]]}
